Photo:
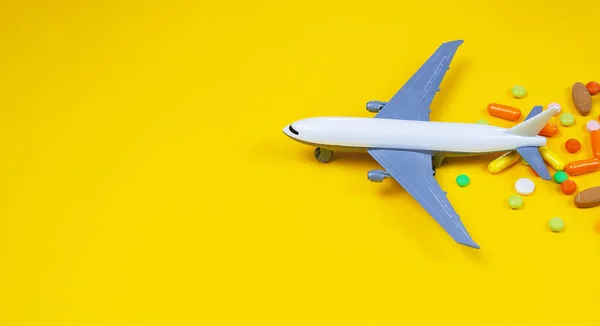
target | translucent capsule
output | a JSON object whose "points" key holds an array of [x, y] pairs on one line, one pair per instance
{"points": [[552, 159], [595, 140], [583, 166], [504, 111], [505, 160], [549, 130]]}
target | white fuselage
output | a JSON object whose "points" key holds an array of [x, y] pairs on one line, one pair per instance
{"points": [[407, 135]]}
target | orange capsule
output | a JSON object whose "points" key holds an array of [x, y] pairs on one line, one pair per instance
{"points": [[595, 140], [549, 130], [504, 111], [583, 166]]}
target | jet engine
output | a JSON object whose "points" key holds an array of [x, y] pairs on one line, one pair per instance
{"points": [[377, 175], [375, 106]]}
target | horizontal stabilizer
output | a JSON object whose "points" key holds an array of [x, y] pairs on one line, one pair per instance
{"points": [[531, 154]]}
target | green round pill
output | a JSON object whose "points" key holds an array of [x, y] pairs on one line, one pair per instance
{"points": [[515, 202], [560, 177], [518, 91], [482, 122], [463, 180], [567, 119], [556, 224]]}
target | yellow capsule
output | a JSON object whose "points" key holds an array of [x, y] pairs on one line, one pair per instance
{"points": [[505, 160], [552, 159]]}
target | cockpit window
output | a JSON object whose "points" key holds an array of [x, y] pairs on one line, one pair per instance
{"points": [[293, 130]]}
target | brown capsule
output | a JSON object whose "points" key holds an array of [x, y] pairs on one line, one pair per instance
{"points": [[588, 198], [581, 98]]}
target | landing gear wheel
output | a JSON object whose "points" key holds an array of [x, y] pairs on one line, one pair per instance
{"points": [[323, 155]]}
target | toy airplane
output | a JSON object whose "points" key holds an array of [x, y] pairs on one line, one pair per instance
{"points": [[409, 146]]}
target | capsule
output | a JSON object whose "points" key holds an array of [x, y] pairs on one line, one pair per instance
{"points": [[583, 166], [505, 160], [595, 140], [549, 130], [504, 111], [552, 159]]}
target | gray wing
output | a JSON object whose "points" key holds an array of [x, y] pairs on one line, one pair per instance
{"points": [[412, 101], [413, 171]]}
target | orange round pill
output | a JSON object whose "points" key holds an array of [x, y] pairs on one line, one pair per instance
{"points": [[568, 187], [593, 87], [573, 145]]}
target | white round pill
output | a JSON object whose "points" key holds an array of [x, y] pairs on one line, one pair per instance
{"points": [[592, 125], [524, 186], [555, 105]]}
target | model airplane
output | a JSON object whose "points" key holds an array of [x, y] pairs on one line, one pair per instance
{"points": [[409, 146]]}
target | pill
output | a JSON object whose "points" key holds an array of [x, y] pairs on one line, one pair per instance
{"points": [[567, 119], [554, 105], [560, 176], [581, 98], [524, 186], [463, 180], [595, 140], [588, 198], [593, 87], [505, 160], [572, 145], [551, 158], [583, 166], [568, 187], [518, 91], [504, 111], [549, 130], [556, 224], [515, 202], [592, 125]]}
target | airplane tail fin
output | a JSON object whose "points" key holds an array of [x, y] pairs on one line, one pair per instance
{"points": [[535, 121]]}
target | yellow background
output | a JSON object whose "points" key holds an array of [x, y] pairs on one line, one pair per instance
{"points": [[146, 179]]}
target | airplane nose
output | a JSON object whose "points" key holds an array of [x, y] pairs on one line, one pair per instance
{"points": [[290, 131]]}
